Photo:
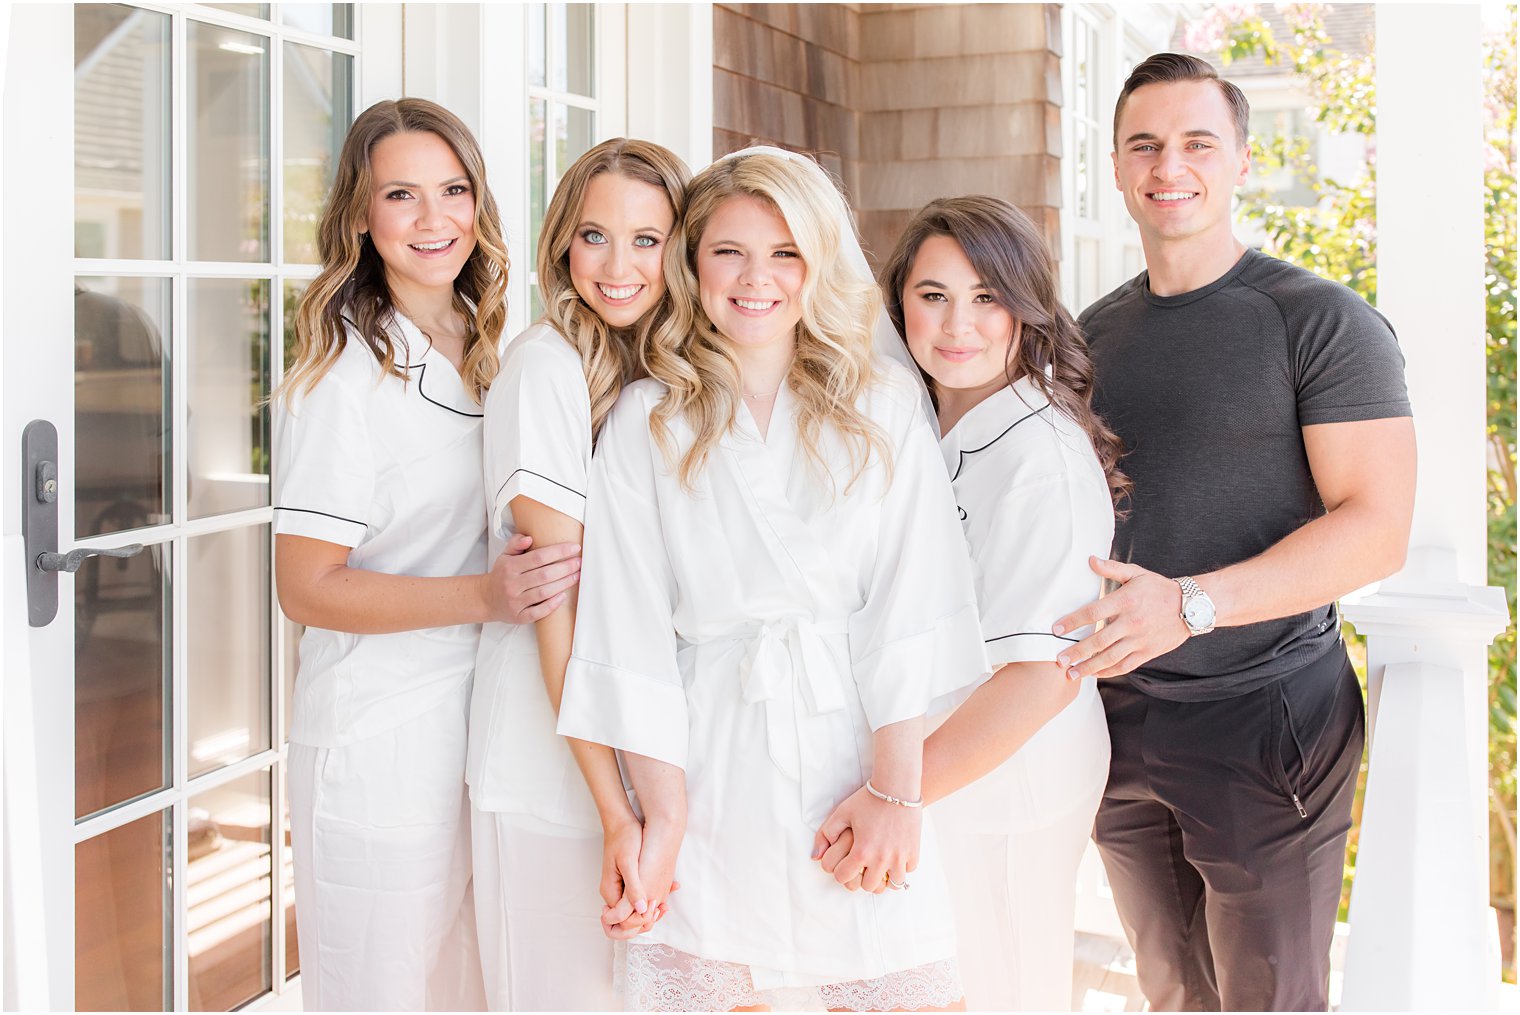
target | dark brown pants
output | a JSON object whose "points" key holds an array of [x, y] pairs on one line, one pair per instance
{"points": [[1223, 831]]}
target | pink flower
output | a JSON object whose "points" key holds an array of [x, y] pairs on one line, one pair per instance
{"points": [[1206, 35], [1301, 17]]}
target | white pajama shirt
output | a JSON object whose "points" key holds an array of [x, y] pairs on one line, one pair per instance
{"points": [[390, 467], [755, 634], [537, 836], [1034, 504]]}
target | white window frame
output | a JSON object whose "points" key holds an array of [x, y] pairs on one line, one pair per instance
{"points": [[1124, 33], [608, 106]]}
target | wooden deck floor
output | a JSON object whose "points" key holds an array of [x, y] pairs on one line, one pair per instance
{"points": [[1104, 976]]}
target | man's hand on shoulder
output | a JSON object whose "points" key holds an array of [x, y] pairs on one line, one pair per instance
{"points": [[1140, 620]]}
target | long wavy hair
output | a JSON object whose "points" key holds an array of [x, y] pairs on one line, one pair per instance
{"points": [[832, 367], [1012, 259], [611, 357], [352, 282]]}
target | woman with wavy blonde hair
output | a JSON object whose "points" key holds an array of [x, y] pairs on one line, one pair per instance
{"points": [[775, 594], [541, 840], [380, 551]]}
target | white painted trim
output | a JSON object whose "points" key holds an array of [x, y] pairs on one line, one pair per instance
{"points": [[163, 799], [1419, 941], [286, 998], [611, 71], [36, 353], [503, 140], [670, 89], [1118, 30], [381, 55]]}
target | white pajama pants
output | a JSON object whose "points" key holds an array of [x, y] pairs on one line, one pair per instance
{"points": [[538, 909], [1012, 844], [381, 841]]}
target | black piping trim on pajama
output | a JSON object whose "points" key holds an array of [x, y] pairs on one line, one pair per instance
{"points": [[1032, 634], [541, 476], [961, 462], [421, 369], [324, 514]]}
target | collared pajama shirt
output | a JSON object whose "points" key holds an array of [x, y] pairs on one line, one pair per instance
{"points": [[755, 632], [1035, 504], [389, 466], [538, 445]]}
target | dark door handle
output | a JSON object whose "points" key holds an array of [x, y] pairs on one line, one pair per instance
{"points": [[71, 561]]}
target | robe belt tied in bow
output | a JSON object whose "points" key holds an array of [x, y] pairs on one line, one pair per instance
{"points": [[794, 653]]}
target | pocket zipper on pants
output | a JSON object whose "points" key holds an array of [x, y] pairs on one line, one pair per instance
{"points": [[1303, 759]]}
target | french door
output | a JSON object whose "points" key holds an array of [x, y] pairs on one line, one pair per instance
{"points": [[164, 168]]}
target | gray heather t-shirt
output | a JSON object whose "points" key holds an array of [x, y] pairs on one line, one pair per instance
{"points": [[1208, 391]]}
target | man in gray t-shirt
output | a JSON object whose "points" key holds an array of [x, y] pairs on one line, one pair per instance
{"points": [[1268, 439]]}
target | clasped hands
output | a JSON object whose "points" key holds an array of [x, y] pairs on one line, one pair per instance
{"points": [[869, 844], [638, 875]]}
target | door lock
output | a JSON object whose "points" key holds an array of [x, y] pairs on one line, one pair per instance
{"points": [[39, 524]]}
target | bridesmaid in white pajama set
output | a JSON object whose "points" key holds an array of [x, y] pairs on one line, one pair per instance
{"points": [[380, 548], [972, 286], [538, 833], [769, 611]]}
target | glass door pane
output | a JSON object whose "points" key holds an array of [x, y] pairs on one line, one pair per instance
{"points": [[228, 144], [288, 883], [318, 108], [121, 132], [122, 393], [228, 647], [121, 679], [123, 909], [228, 385], [229, 914], [320, 19]]}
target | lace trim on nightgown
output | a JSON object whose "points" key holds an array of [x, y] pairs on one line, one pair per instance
{"points": [[654, 977]]}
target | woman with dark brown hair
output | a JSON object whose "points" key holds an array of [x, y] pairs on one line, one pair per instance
{"points": [[1023, 761]]}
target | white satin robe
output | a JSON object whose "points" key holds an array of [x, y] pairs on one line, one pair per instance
{"points": [[755, 634]]}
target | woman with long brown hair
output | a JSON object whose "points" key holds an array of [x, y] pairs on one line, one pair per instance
{"points": [[971, 285], [380, 551], [542, 842]]}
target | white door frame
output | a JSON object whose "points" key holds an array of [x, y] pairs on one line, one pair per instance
{"points": [[37, 363]]}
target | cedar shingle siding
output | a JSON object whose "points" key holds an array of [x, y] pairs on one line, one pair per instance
{"points": [[902, 102]]}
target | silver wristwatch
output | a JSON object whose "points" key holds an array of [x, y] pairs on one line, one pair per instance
{"points": [[1197, 607]]}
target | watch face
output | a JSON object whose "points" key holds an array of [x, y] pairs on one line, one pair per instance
{"points": [[1198, 612]]}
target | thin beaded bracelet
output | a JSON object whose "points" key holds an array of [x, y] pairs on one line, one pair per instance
{"points": [[894, 801]]}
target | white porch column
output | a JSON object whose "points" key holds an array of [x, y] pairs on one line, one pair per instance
{"points": [[1421, 930]]}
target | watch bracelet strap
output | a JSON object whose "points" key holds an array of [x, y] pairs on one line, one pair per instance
{"points": [[1189, 588]]}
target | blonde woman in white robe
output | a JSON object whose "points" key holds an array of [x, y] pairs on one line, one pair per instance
{"points": [[1019, 769], [775, 594], [555, 840]]}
